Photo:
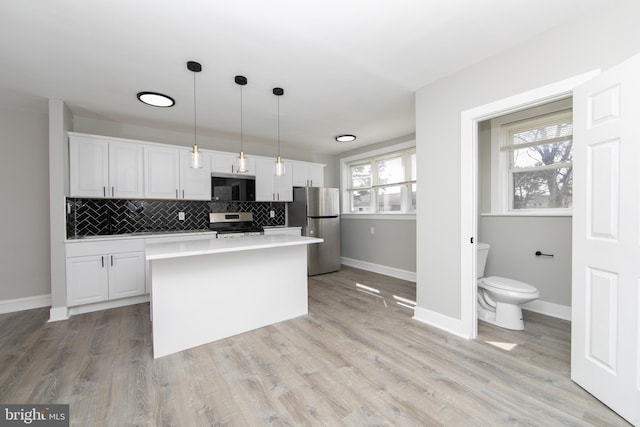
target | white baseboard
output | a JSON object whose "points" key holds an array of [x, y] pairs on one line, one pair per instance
{"points": [[57, 314], [549, 309], [108, 304], [440, 321], [381, 269], [28, 303]]}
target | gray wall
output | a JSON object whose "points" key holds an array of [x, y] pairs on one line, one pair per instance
{"points": [[24, 190], [572, 49], [393, 243], [514, 241]]}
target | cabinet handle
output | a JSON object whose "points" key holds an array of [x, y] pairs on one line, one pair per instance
{"points": [[273, 196], [231, 168], [102, 259], [113, 192], [278, 196], [111, 260], [183, 194], [310, 183], [104, 191], [176, 193]]}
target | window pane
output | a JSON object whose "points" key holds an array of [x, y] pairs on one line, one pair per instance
{"points": [[361, 201], [543, 133], [414, 193], [361, 176], [390, 171], [390, 199], [547, 154], [544, 189], [413, 167]]}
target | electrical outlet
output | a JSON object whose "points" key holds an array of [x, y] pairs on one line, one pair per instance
{"points": [[180, 216], [272, 214]]}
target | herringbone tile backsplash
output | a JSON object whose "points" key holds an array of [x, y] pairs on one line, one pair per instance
{"points": [[96, 217]]}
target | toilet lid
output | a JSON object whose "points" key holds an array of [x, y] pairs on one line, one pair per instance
{"points": [[509, 284]]}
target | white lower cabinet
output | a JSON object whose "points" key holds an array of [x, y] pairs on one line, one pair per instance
{"points": [[103, 271]]}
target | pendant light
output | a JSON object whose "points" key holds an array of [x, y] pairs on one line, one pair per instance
{"points": [[242, 161], [196, 159], [278, 91]]}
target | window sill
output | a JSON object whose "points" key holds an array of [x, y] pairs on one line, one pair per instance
{"points": [[531, 214], [393, 216]]}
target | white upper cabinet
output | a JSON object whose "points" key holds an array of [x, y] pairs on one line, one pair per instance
{"points": [[228, 163], [307, 174], [126, 171], [162, 178], [169, 175], [88, 167], [269, 187], [102, 168], [195, 183]]}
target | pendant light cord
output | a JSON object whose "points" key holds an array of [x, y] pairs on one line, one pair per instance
{"points": [[241, 127], [278, 126], [195, 115]]}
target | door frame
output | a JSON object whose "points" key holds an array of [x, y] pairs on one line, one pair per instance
{"points": [[469, 182]]}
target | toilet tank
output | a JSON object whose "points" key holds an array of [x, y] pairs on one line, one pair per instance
{"points": [[481, 260]]}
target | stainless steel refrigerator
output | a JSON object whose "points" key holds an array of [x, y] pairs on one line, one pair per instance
{"points": [[317, 211]]}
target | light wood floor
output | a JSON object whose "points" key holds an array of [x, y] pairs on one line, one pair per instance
{"points": [[357, 359]]}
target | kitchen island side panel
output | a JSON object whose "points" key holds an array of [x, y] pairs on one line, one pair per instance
{"points": [[199, 299]]}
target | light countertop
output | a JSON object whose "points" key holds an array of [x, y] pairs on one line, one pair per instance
{"points": [[179, 248]]}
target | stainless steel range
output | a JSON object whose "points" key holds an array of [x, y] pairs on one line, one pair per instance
{"points": [[234, 224]]}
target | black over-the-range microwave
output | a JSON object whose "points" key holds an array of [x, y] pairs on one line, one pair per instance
{"points": [[233, 188]]}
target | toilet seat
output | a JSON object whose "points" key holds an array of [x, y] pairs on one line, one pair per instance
{"points": [[509, 285]]}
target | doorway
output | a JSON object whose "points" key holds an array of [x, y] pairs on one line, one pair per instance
{"points": [[470, 120]]}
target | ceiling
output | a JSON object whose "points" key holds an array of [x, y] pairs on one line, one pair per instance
{"points": [[346, 66]]}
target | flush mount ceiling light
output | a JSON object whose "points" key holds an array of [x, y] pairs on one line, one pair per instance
{"points": [[345, 138], [278, 91], [242, 161], [156, 99], [196, 160]]}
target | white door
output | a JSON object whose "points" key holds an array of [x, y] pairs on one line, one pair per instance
{"points": [[265, 191], [605, 343], [125, 170], [126, 275], [88, 167], [162, 167], [195, 183], [87, 280]]}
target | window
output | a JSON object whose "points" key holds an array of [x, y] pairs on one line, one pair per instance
{"points": [[382, 184], [539, 162]]}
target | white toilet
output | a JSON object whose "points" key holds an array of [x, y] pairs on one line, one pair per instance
{"points": [[499, 298]]}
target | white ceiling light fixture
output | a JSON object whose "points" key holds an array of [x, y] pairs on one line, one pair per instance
{"points": [[242, 161], [196, 159], [156, 99], [345, 138], [278, 91]]}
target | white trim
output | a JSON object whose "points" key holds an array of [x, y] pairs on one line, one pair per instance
{"points": [[381, 269], [400, 217], [469, 120], [550, 309], [57, 314], [89, 308], [26, 303], [538, 214], [440, 321]]}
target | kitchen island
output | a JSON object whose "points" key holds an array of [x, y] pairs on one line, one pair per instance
{"points": [[206, 290]]}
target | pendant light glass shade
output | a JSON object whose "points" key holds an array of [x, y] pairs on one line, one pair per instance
{"points": [[196, 158], [242, 161], [280, 170]]}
